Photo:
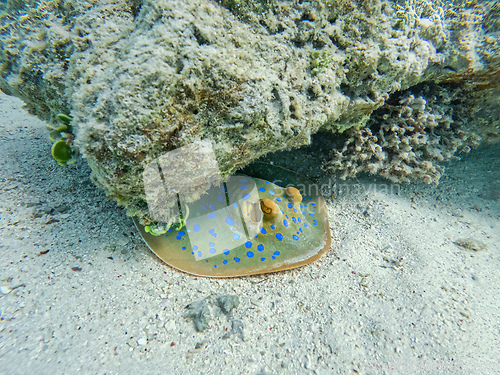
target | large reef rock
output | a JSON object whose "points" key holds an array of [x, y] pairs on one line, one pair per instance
{"points": [[403, 84]]}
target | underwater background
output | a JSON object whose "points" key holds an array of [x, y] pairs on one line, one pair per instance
{"points": [[390, 108]]}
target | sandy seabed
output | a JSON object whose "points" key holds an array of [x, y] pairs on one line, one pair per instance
{"points": [[411, 284]]}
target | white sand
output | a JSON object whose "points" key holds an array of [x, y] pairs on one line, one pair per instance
{"points": [[394, 294]]}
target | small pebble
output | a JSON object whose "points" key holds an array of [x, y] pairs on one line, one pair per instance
{"points": [[170, 325], [5, 290], [61, 208]]}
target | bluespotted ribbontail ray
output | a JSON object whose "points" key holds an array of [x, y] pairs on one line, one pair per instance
{"points": [[246, 226]]}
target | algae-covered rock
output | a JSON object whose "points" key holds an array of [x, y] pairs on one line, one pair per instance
{"points": [[143, 78]]}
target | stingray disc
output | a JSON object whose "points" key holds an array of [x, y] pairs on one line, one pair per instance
{"points": [[246, 226]]}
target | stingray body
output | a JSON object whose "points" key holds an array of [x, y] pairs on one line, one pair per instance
{"points": [[246, 226]]}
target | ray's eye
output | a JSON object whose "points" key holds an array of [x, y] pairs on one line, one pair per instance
{"points": [[293, 194], [269, 208]]}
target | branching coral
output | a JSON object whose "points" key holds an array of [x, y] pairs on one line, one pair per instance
{"points": [[404, 141]]}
